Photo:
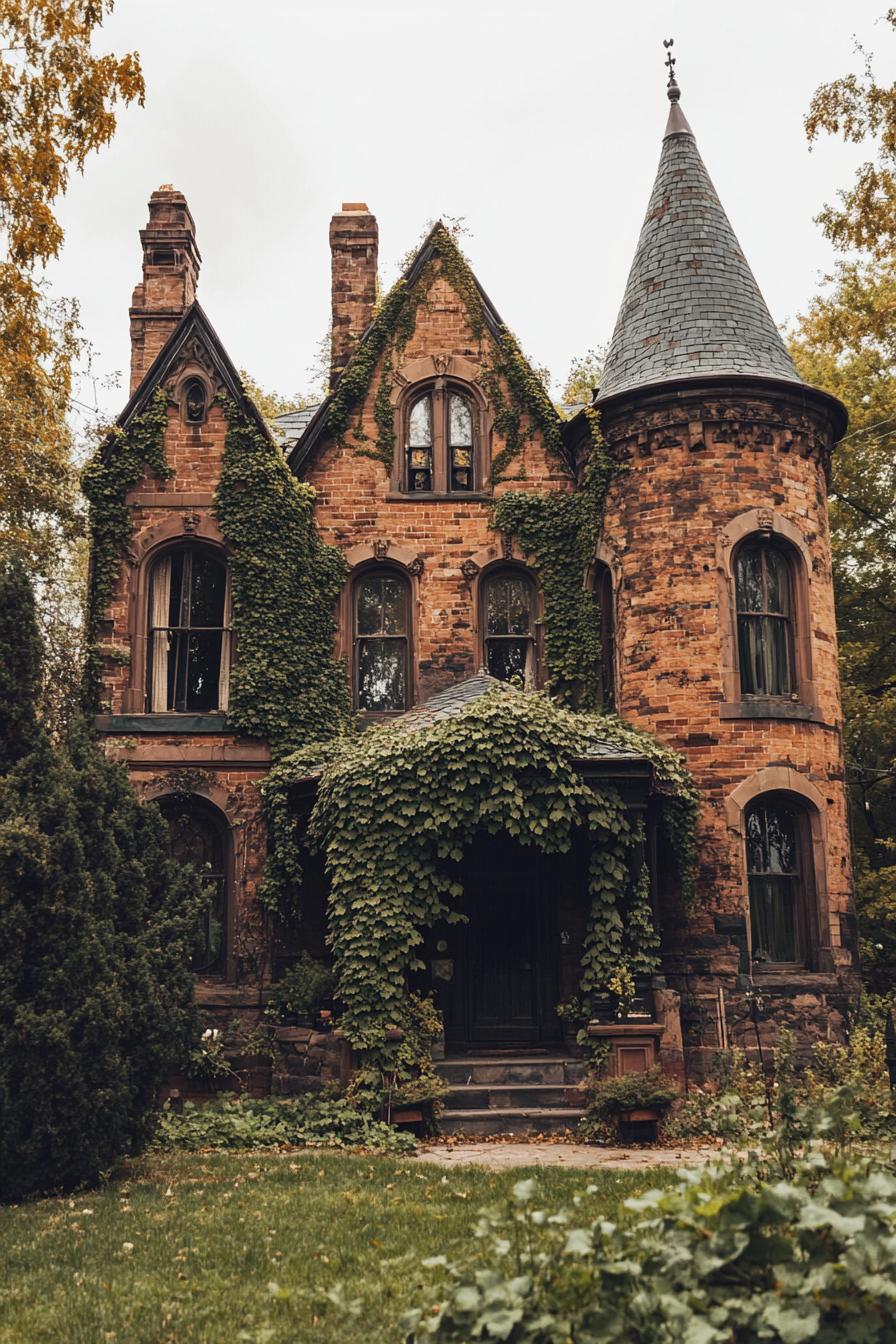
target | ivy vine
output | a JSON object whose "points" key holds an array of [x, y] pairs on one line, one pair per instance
{"points": [[107, 480], [517, 395], [560, 530], [396, 805], [286, 686]]}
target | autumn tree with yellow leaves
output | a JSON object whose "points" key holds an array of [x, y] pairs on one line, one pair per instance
{"points": [[58, 101]]}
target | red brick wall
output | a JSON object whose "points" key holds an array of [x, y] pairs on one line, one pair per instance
{"points": [[694, 466]]}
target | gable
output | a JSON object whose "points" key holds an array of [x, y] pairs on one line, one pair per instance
{"points": [[193, 343], [438, 272]]}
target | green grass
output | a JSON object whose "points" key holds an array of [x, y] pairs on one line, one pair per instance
{"points": [[208, 1234]]}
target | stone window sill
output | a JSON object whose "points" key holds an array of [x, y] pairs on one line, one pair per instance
{"points": [[476, 496], [769, 709], [162, 723]]}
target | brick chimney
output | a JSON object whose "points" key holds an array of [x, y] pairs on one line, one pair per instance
{"points": [[354, 238], [171, 264]]}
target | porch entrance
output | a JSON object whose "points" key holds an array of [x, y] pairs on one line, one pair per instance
{"points": [[503, 962]]}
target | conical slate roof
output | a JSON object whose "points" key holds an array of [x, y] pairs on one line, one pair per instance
{"points": [[692, 307]]}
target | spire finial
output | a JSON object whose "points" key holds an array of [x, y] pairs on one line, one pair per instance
{"points": [[672, 89]]}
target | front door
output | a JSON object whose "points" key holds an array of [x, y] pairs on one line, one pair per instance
{"points": [[504, 962]]}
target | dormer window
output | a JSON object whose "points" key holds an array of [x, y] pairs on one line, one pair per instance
{"points": [[440, 443], [194, 401]]}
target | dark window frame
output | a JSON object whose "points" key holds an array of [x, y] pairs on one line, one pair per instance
{"points": [[763, 619], [206, 814], [799, 882], [382, 571], [605, 596], [494, 575], [181, 633], [439, 393]]}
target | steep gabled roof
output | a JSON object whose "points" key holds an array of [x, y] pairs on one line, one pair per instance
{"points": [[431, 247], [692, 307], [194, 323]]}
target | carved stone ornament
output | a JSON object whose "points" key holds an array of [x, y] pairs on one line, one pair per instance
{"points": [[469, 569], [191, 521], [194, 354], [416, 566], [507, 547], [381, 549], [441, 363], [766, 520]]}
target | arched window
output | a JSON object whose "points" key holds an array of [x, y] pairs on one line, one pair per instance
{"points": [[382, 642], [198, 840], [189, 642], [420, 465], [508, 623], [441, 443], [779, 876], [602, 584], [194, 401], [765, 635]]}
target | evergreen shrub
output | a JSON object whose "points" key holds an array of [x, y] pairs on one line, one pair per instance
{"points": [[96, 925]]}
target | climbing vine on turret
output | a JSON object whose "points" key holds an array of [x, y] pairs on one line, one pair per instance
{"points": [[116, 469], [286, 686]]}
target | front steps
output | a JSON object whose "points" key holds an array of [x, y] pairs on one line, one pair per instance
{"points": [[512, 1094]]}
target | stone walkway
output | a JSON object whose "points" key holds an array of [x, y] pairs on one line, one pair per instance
{"points": [[502, 1155]]}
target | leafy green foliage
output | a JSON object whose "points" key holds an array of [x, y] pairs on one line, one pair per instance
{"points": [[302, 990], [397, 805], [608, 1096], [516, 392], [409, 1078], [20, 665], [301, 1122], [118, 466], [793, 1244], [286, 686], [96, 925], [560, 531]]}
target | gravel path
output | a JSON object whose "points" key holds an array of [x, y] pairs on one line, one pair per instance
{"points": [[501, 1155]]}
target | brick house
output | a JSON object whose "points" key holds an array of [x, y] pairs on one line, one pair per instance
{"points": [[713, 576]]}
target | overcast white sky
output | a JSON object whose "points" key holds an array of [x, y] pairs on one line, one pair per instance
{"points": [[539, 123]]}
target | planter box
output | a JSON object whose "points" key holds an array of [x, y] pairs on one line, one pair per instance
{"points": [[407, 1115]]}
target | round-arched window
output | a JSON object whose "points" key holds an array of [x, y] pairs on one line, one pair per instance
{"points": [[189, 643], [198, 840]]}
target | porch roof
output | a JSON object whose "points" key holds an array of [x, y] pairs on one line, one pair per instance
{"points": [[602, 758]]}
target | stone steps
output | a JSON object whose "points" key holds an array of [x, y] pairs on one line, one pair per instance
{"points": [[512, 1094]]}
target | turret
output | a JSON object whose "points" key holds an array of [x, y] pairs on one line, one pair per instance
{"points": [[718, 538]]}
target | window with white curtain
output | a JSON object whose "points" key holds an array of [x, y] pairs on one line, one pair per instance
{"points": [[189, 636]]}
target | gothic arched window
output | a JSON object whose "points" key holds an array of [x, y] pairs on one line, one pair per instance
{"points": [[198, 839], [765, 635], [441, 443], [189, 640], [778, 877], [195, 399], [381, 600], [602, 585], [508, 624]]}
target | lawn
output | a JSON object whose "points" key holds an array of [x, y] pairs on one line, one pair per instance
{"points": [[245, 1247]]}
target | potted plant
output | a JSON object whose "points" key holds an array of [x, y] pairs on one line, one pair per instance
{"points": [[629, 1107], [303, 993]]}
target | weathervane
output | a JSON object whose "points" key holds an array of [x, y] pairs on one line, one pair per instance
{"points": [[672, 89]]}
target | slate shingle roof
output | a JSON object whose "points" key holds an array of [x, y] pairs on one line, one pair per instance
{"points": [[692, 306], [290, 427]]}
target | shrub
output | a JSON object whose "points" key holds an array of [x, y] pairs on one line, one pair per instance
{"points": [[794, 1244], [302, 991], [304, 1122], [608, 1097], [96, 924]]}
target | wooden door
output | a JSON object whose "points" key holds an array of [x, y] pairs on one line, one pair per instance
{"points": [[504, 957]]}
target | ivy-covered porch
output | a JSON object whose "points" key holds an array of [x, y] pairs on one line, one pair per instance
{"points": [[490, 848]]}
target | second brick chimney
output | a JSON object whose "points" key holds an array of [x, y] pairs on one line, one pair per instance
{"points": [[171, 264], [354, 240]]}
